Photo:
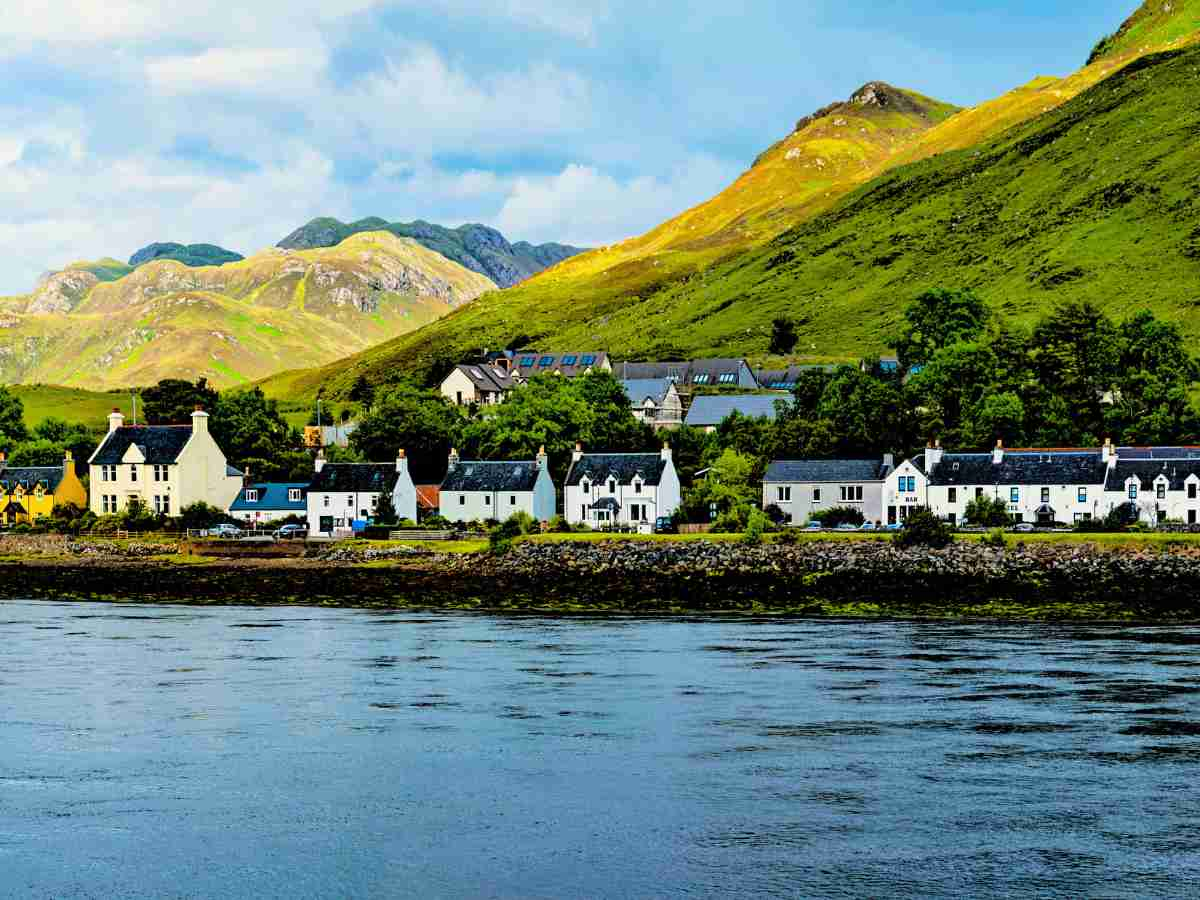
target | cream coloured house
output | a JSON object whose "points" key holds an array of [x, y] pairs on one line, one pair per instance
{"points": [[162, 467]]}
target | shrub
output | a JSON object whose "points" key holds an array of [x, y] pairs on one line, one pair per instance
{"points": [[840, 515], [988, 512], [995, 539], [732, 521], [789, 536], [924, 529], [501, 537], [776, 515], [559, 525], [438, 523], [756, 525]]}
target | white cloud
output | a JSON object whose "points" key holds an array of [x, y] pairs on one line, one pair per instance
{"points": [[584, 206], [251, 70]]}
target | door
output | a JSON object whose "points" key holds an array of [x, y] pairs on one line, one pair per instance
{"points": [[326, 524]]}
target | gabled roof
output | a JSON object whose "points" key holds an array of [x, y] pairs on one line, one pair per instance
{"points": [[575, 362], [638, 389], [702, 372], [1021, 467], [490, 477], [365, 478], [826, 471], [1147, 471], [598, 467], [429, 496], [29, 476], [159, 444], [786, 379], [488, 378], [272, 496], [713, 409]]}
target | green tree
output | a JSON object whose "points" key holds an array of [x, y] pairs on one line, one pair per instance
{"points": [[173, 400], [418, 421], [924, 529], [995, 417], [937, 319], [251, 431], [729, 486], [1075, 354], [988, 512], [783, 336], [12, 418]]}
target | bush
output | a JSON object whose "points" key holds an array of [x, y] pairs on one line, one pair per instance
{"points": [[201, 516], [733, 521], [988, 512], [924, 529], [438, 523], [757, 524], [840, 515], [501, 537], [559, 525], [776, 515], [789, 537], [995, 539]]}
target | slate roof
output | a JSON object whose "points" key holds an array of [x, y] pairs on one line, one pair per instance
{"points": [[1148, 470], [713, 409], [638, 389], [825, 471], [28, 476], [577, 362], [488, 378], [361, 478], [607, 503], [159, 443], [623, 466], [273, 496], [490, 477], [1023, 467], [786, 379], [703, 372]]}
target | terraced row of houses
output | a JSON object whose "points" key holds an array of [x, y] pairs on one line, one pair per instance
{"points": [[1038, 486]]}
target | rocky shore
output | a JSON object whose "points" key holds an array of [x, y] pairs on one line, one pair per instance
{"points": [[1070, 580]]}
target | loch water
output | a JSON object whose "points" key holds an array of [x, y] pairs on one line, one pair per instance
{"points": [[165, 751]]}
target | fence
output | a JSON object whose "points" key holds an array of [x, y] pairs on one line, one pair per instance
{"points": [[420, 535]]}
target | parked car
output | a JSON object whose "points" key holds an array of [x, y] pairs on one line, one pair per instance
{"points": [[290, 532], [1023, 528], [224, 530], [664, 525], [867, 526], [893, 526], [814, 526], [846, 526]]}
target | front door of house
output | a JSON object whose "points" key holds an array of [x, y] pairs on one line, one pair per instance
{"points": [[326, 524]]}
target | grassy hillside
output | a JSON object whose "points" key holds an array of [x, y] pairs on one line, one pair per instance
{"points": [[1157, 23], [663, 295], [232, 323]]}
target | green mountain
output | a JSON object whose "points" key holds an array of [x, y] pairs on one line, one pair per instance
{"points": [[230, 323], [475, 247], [1083, 186], [1157, 24], [194, 255]]}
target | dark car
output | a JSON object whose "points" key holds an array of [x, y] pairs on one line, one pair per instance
{"points": [[290, 532], [664, 525]]}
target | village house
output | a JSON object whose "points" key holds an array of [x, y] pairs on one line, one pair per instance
{"points": [[905, 489], [787, 379], [163, 468], [260, 502], [485, 384], [655, 401], [621, 489], [708, 411], [803, 489], [528, 363], [696, 373], [343, 497], [477, 490], [1160, 483], [29, 493]]}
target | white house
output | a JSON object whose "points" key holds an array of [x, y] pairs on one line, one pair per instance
{"points": [[163, 468], [485, 384], [655, 401], [260, 502], [343, 497], [476, 490], [906, 488], [605, 489], [803, 489]]}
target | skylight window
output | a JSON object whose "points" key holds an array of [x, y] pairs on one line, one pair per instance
{"points": [[569, 360], [527, 361], [728, 377], [589, 360], [546, 361]]}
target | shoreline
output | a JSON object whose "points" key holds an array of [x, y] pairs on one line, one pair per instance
{"points": [[846, 580]]}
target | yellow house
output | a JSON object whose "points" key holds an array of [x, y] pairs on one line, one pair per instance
{"points": [[29, 493]]}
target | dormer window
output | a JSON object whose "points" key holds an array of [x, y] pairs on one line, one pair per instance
{"points": [[612, 485], [1161, 490], [1133, 490], [637, 485], [251, 495], [585, 486], [295, 495], [133, 473]]}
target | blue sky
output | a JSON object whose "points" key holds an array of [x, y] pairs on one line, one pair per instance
{"points": [[129, 121]]}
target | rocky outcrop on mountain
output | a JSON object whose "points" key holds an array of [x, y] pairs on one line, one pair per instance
{"points": [[476, 247], [61, 292], [190, 255]]}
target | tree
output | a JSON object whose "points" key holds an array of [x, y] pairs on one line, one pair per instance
{"points": [[936, 319], [988, 512], [728, 487], [783, 336], [199, 516], [995, 417], [12, 418], [1075, 354], [173, 400], [253, 433], [385, 511], [924, 529], [418, 421]]}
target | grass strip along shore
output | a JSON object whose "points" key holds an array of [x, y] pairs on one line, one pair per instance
{"points": [[1153, 578]]}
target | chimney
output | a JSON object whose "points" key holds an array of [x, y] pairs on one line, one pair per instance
{"points": [[933, 456], [68, 464], [199, 420], [453, 460], [247, 480], [504, 364], [889, 461], [115, 420], [401, 461], [577, 454], [319, 462], [666, 451], [3, 458], [543, 461], [1109, 454], [998, 453]]}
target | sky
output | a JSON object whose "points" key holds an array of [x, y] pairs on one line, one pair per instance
{"points": [[124, 122]]}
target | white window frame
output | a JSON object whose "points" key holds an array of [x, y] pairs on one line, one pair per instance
{"points": [[251, 495], [295, 495]]}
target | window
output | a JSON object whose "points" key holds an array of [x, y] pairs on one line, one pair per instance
{"points": [[512, 501], [635, 512], [1083, 517], [978, 493], [1083, 495], [1191, 517], [326, 503], [1045, 495], [783, 494], [350, 501], [133, 473], [251, 495], [295, 495], [637, 487], [569, 360], [728, 378], [816, 495], [1014, 495], [953, 495], [1133, 488], [104, 504], [612, 485], [908, 485], [108, 473], [1160, 491], [545, 362], [1192, 491], [702, 378], [527, 361], [487, 499], [588, 360], [166, 505], [462, 499]]}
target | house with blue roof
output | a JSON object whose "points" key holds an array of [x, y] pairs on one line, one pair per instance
{"points": [[260, 502], [708, 411]]}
